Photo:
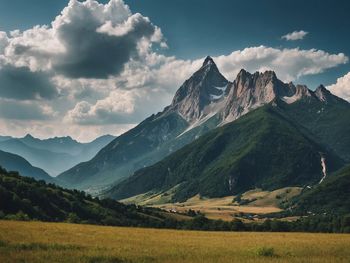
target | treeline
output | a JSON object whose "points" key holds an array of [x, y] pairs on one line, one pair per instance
{"points": [[23, 198], [314, 223]]}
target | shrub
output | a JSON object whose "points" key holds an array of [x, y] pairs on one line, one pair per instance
{"points": [[265, 252]]}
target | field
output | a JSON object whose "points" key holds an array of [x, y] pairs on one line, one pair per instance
{"points": [[59, 242], [258, 202]]}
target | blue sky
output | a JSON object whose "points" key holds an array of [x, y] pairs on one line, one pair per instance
{"points": [[100, 77]]}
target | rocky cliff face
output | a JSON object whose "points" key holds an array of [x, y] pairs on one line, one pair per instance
{"points": [[250, 91]]}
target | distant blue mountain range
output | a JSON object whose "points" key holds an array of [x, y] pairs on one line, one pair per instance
{"points": [[53, 155]]}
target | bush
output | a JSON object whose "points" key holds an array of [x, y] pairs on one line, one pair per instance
{"points": [[72, 218], [20, 216], [265, 252]]}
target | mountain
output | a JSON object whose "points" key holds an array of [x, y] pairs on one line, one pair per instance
{"points": [[157, 136], [192, 100], [331, 197], [54, 155], [25, 198], [13, 162], [204, 102], [262, 149]]}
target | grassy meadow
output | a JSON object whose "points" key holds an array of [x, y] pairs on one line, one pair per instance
{"points": [[258, 202], [60, 242]]}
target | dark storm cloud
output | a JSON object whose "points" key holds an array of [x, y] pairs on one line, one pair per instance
{"points": [[22, 84], [94, 50]]}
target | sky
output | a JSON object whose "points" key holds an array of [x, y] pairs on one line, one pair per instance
{"points": [[87, 68]]}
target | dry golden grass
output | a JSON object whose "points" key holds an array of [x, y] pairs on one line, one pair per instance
{"points": [[214, 208], [220, 208], [58, 242], [266, 199]]}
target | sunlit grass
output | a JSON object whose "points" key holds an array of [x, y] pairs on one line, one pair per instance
{"points": [[58, 242]]}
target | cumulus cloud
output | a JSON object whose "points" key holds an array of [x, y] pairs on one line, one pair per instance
{"points": [[22, 84], [342, 87], [119, 107], [87, 40], [296, 35], [289, 64]]}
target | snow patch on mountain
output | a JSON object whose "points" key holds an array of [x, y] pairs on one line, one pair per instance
{"points": [[221, 90], [198, 123], [291, 99]]}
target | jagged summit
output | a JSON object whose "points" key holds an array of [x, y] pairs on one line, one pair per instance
{"points": [[208, 61], [207, 93], [321, 87], [268, 74], [322, 93], [204, 86]]}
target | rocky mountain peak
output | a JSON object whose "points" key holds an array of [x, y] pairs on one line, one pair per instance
{"points": [[269, 75], [254, 90], [201, 89], [208, 61], [322, 88], [322, 93]]}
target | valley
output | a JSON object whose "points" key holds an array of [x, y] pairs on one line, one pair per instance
{"points": [[250, 207]]}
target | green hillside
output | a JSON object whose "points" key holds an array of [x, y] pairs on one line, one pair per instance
{"points": [[25, 198], [328, 122], [261, 149], [141, 146], [13, 162], [332, 196]]}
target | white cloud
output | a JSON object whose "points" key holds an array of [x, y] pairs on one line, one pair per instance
{"points": [[87, 40], [118, 107], [289, 64], [342, 87], [296, 35]]}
